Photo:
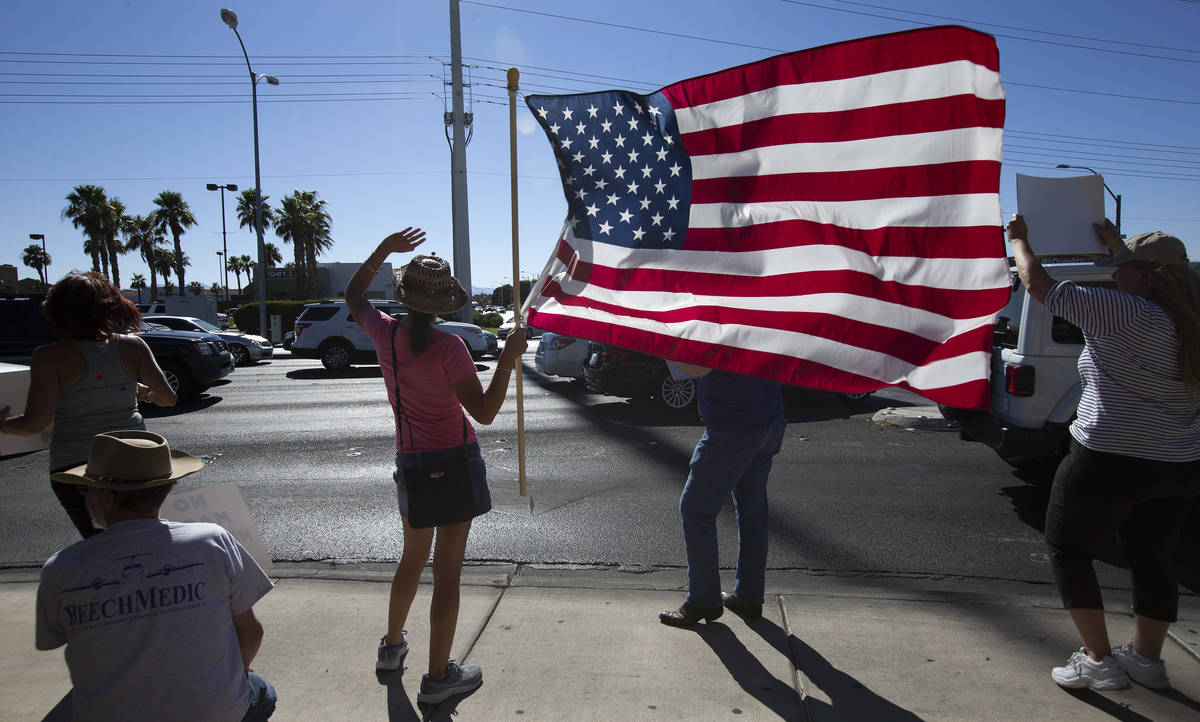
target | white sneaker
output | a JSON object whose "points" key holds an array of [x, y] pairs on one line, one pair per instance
{"points": [[1082, 671], [1150, 673]]}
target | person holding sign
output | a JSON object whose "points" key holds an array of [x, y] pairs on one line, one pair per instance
{"points": [[1134, 463], [89, 382], [157, 616], [441, 482]]}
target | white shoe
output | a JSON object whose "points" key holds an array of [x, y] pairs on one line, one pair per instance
{"points": [[1082, 671], [1150, 673]]}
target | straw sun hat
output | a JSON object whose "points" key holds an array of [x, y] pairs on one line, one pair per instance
{"points": [[426, 285], [130, 460]]}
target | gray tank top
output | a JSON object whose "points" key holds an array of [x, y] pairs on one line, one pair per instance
{"points": [[105, 399]]}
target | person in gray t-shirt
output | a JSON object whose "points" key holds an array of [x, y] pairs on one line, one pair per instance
{"points": [[157, 616]]}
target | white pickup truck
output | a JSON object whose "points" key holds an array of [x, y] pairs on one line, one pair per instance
{"points": [[1034, 380]]}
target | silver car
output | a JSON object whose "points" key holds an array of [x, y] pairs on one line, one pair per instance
{"points": [[559, 355], [246, 348]]}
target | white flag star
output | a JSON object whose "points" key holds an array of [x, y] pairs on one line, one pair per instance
{"points": [[605, 228]]}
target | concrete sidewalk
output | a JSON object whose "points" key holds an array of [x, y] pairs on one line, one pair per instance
{"points": [[585, 644]]}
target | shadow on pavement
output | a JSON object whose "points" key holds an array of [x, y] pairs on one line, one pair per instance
{"points": [[848, 698], [747, 671], [1113, 709], [400, 707], [354, 372]]}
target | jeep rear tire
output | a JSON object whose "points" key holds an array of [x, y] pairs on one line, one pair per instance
{"points": [[335, 356]]}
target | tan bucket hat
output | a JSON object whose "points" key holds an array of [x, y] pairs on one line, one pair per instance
{"points": [[130, 460], [1151, 247], [426, 285]]}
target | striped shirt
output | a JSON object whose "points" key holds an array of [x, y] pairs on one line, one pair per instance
{"points": [[1134, 402]]}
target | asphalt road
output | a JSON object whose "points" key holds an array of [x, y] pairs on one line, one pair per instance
{"points": [[312, 453]]}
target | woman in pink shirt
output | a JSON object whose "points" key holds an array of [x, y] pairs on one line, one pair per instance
{"points": [[431, 380]]}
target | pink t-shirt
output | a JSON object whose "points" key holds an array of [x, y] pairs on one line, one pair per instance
{"points": [[426, 384]]}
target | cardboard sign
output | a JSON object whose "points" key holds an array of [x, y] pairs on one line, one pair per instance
{"points": [[14, 389], [1060, 213], [223, 505]]}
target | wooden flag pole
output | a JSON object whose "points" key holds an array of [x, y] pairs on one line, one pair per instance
{"points": [[518, 321]]}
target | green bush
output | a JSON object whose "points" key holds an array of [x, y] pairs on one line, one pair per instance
{"points": [[487, 320], [246, 315]]}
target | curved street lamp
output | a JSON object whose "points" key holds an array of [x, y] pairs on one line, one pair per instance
{"points": [[1116, 197], [260, 282]]}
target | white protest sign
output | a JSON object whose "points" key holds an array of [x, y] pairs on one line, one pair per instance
{"points": [[223, 505], [14, 389], [1060, 213]]}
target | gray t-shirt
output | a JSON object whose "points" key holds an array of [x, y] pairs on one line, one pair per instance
{"points": [[146, 611]]}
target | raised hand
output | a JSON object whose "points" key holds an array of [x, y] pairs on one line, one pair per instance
{"points": [[1108, 235], [403, 241]]}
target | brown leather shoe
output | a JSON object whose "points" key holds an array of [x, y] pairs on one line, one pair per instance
{"points": [[689, 614], [745, 610]]}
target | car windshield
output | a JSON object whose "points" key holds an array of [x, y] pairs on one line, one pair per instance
{"points": [[149, 326], [206, 325]]}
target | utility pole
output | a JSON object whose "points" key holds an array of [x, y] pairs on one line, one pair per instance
{"points": [[458, 164]]}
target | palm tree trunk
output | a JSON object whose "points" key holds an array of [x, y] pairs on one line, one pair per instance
{"points": [[301, 275], [153, 284], [178, 261], [116, 271]]}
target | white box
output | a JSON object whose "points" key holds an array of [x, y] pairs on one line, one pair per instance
{"points": [[14, 388]]}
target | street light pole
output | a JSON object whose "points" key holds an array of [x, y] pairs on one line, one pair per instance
{"points": [[224, 240], [260, 280], [220, 264], [1116, 197], [45, 269]]}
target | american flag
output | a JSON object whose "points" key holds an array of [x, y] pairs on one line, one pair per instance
{"points": [[829, 218]]}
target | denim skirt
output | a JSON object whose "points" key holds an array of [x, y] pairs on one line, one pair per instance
{"points": [[475, 467]]}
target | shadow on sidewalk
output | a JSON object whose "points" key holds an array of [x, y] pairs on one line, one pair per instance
{"points": [[747, 671], [848, 698], [400, 707]]}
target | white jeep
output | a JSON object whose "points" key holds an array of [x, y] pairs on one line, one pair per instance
{"points": [[327, 331], [1034, 381]]}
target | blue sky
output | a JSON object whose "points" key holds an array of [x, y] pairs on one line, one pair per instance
{"points": [[358, 114]]}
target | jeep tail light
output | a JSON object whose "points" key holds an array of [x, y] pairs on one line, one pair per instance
{"points": [[562, 342], [615, 354], [1018, 380], [300, 328]]}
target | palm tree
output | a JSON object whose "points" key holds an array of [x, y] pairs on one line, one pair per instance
{"points": [[304, 222], [173, 213], [164, 261], [142, 235], [245, 211], [87, 206], [239, 264], [115, 223], [36, 258], [138, 282], [196, 288], [271, 255]]}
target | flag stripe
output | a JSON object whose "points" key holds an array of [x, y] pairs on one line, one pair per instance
{"points": [[929, 211], [928, 180], [923, 116], [959, 242], [896, 87], [879, 54], [966, 274], [919, 149]]}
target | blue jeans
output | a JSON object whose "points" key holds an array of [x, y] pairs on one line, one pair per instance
{"points": [[725, 463], [262, 699]]}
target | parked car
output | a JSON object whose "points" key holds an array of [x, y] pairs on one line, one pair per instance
{"points": [[191, 360], [506, 328], [246, 348], [327, 331], [1034, 380], [559, 355], [620, 372]]}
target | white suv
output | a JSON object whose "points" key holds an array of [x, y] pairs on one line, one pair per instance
{"points": [[327, 331], [1034, 380]]}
